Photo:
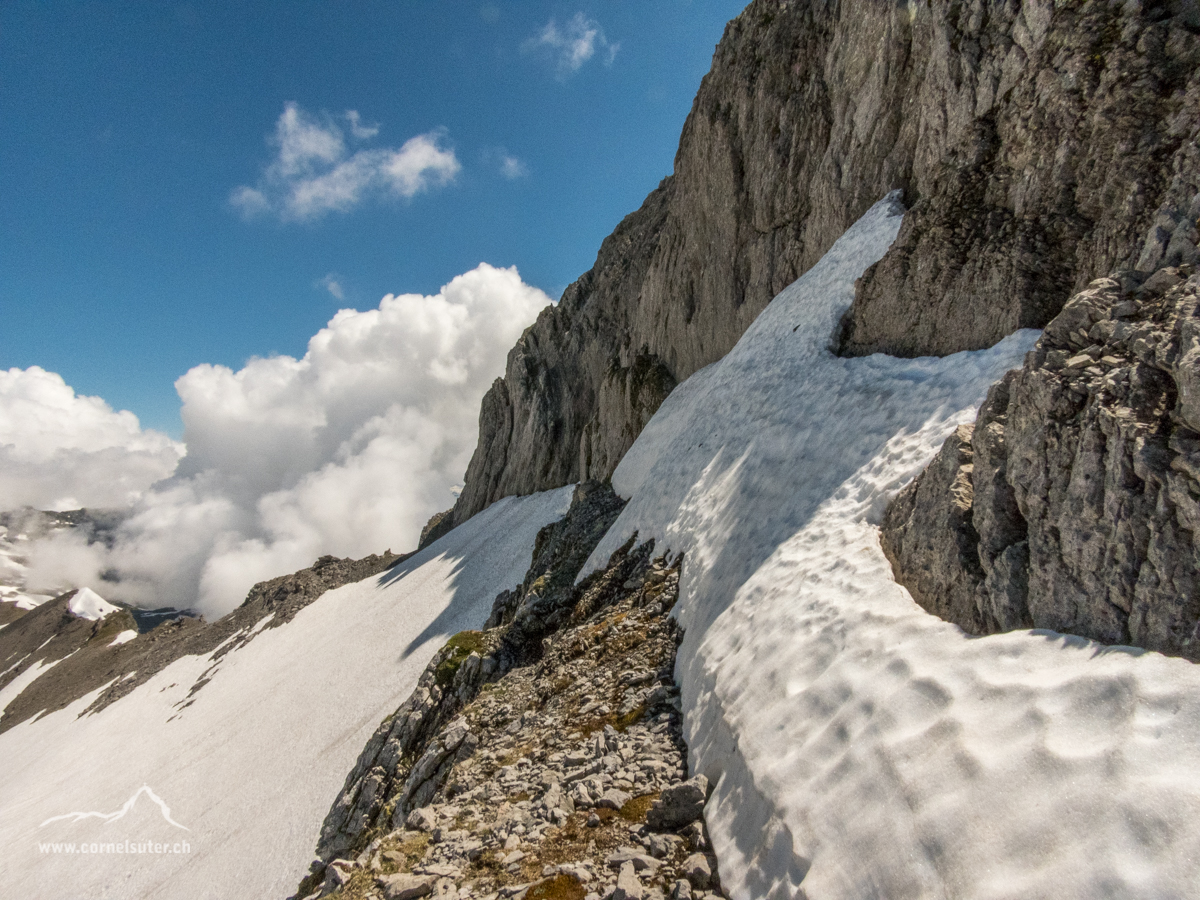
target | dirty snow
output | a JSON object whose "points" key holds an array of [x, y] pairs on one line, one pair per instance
{"points": [[250, 764], [87, 604], [861, 747]]}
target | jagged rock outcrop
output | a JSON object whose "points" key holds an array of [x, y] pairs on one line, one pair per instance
{"points": [[562, 777], [1073, 503], [403, 763], [1039, 144]]}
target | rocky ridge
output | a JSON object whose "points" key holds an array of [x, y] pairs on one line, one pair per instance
{"points": [[1073, 502], [1038, 145], [555, 766], [85, 659]]}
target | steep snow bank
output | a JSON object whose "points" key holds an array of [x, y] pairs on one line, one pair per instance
{"points": [[249, 762], [87, 604], [861, 747]]}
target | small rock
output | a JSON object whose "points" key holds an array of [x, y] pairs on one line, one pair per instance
{"points": [[337, 873], [628, 887], [421, 819], [682, 890], [613, 799], [628, 856], [663, 845], [679, 805], [697, 871], [593, 821], [405, 886], [695, 836]]}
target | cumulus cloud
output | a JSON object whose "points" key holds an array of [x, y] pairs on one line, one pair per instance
{"points": [[59, 450], [347, 450], [572, 45], [315, 173]]}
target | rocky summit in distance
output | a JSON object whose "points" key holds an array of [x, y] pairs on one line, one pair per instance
{"points": [[86, 658], [555, 765], [1038, 144], [1073, 502]]}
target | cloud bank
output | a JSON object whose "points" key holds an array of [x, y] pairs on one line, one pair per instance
{"points": [[571, 45], [315, 173], [62, 451], [347, 450]]}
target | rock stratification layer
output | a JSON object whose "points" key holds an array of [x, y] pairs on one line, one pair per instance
{"points": [[1039, 145], [1073, 503]]}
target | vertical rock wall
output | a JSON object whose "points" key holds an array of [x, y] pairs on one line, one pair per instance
{"points": [[1036, 143], [1073, 503]]}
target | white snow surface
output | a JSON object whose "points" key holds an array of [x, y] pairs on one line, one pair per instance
{"points": [[87, 604], [251, 766], [123, 638], [860, 747]]}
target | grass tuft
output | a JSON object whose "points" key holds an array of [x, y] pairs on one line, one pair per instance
{"points": [[560, 887]]}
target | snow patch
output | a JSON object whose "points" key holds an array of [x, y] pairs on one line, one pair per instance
{"points": [[251, 763], [87, 604], [13, 689], [123, 638], [859, 746]]}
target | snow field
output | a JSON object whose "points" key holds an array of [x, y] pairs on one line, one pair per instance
{"points": [[252, 763], [861, 747]]}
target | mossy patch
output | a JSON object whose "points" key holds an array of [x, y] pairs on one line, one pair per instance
{"points": [[560, 887], [635, 810], [456, 651], [402, 856], [634, 715]]}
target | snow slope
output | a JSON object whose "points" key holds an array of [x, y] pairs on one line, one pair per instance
{"points": [[862, 748], [87, 604], [250, 763]]}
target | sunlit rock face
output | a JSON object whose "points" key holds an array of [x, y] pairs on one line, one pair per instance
{"points": [[1038, 147]]}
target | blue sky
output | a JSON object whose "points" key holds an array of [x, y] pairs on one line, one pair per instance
{"points": [[128, 128]]}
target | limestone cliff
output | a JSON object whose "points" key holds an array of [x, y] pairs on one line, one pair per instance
{"points": [[1073, 503], [1037, 143]]}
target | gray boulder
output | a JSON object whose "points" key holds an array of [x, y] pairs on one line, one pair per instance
{"points": [[405, 886], [679, 805]]}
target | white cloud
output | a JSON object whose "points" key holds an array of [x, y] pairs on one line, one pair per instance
{"points": [[512, 168], [330, 283], [314, 173], [358, 129], [573, 44], [59, 450], [347, 450]]}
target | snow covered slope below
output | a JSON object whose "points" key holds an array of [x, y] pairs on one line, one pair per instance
{"points": [[248, 763], [861, 747]]}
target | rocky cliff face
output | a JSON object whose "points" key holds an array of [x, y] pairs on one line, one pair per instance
{"points": [[1073, 503], [1038, 145]]}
